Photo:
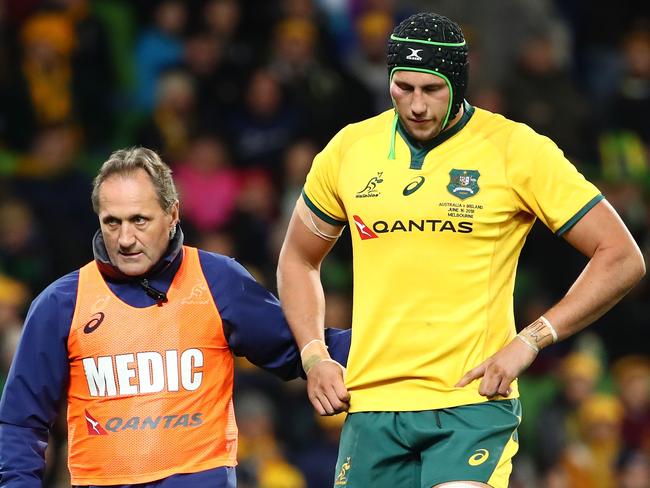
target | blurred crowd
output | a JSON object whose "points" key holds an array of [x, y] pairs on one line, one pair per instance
{"points": [[239, 95]]}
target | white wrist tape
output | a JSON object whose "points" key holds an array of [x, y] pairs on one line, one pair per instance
{"points": [[539, 334], [525, 340], [550, 327], [313, 353]]}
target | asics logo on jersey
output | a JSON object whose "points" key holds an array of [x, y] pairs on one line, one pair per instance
{"points": [[370, 189], [362, 228], [143, 372], [413, 186], [94, 322], [479, 457], [414, 55]]}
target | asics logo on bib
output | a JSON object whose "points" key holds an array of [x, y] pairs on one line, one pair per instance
{"points": [[94, 322], [144, 372]]}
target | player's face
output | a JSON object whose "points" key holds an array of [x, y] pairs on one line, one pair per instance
{"points": [[421, 100], [135, 227]]}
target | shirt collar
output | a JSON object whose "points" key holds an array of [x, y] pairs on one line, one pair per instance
{"points": [[112, 272], [436, 141]]}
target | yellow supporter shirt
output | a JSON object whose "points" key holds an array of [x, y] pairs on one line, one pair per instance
{"points": [[436, 234]]}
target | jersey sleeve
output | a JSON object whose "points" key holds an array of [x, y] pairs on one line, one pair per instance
{"points": [[545, 183], [254, 323], [321, 187], [35, 385], [338, 344]]}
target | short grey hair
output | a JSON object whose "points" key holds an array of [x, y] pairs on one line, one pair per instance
{"points": [[128, 161]]}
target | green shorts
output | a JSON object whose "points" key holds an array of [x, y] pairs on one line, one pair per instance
{"points": [[422, 449]]}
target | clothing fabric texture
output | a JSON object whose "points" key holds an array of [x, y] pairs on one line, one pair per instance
{"points": [[437, 229], [477, 443]]}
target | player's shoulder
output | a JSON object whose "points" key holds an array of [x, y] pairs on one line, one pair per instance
{"points": [[497, 126], [497, 122]]}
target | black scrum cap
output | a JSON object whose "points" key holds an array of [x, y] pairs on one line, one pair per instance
{"points": [[434, 44]]}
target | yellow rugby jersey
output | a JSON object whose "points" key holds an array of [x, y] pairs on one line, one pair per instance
{"points": [[436, 234]]}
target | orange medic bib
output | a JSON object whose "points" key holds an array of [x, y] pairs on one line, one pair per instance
{"points": [[150, 391]]}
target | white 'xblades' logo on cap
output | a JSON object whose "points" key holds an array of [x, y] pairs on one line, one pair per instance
{"points": [[414, 56]]}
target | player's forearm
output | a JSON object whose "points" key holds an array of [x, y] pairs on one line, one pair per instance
{"points": [[302, 298], [607, 278]]}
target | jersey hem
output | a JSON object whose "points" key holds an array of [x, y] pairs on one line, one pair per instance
{"points": [[157, 476], [380, 405], [322, 215]]}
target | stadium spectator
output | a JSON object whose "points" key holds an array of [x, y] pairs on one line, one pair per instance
{"points": [[175, 118], [590, 461], [633, 469], [52, 180], [557, 425], [315, 85], [543, 95], [208, 184], [13, 299], [158, 48], [265, 124], [24, 249], [41, 87], [632, 379], [263, 463], [368, 61]]}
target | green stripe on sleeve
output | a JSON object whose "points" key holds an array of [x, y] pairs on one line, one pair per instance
{"points": [[322, 215], [581, 213]]}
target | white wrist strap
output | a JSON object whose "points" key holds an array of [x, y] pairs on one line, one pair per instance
{"points": [[302, 351], [551, 328], [312, 353], [527, 342]]}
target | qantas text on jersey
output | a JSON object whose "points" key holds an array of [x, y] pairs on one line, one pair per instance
{"points": [[143, 372]]}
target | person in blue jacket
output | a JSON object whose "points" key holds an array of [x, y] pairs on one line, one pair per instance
{"points": [[140, 341]]}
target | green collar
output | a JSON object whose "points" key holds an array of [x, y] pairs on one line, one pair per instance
{"points": [[419, 149]]}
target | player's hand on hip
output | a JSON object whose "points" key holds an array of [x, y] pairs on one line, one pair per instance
{"points": [[326, 388], [500, 370]]}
